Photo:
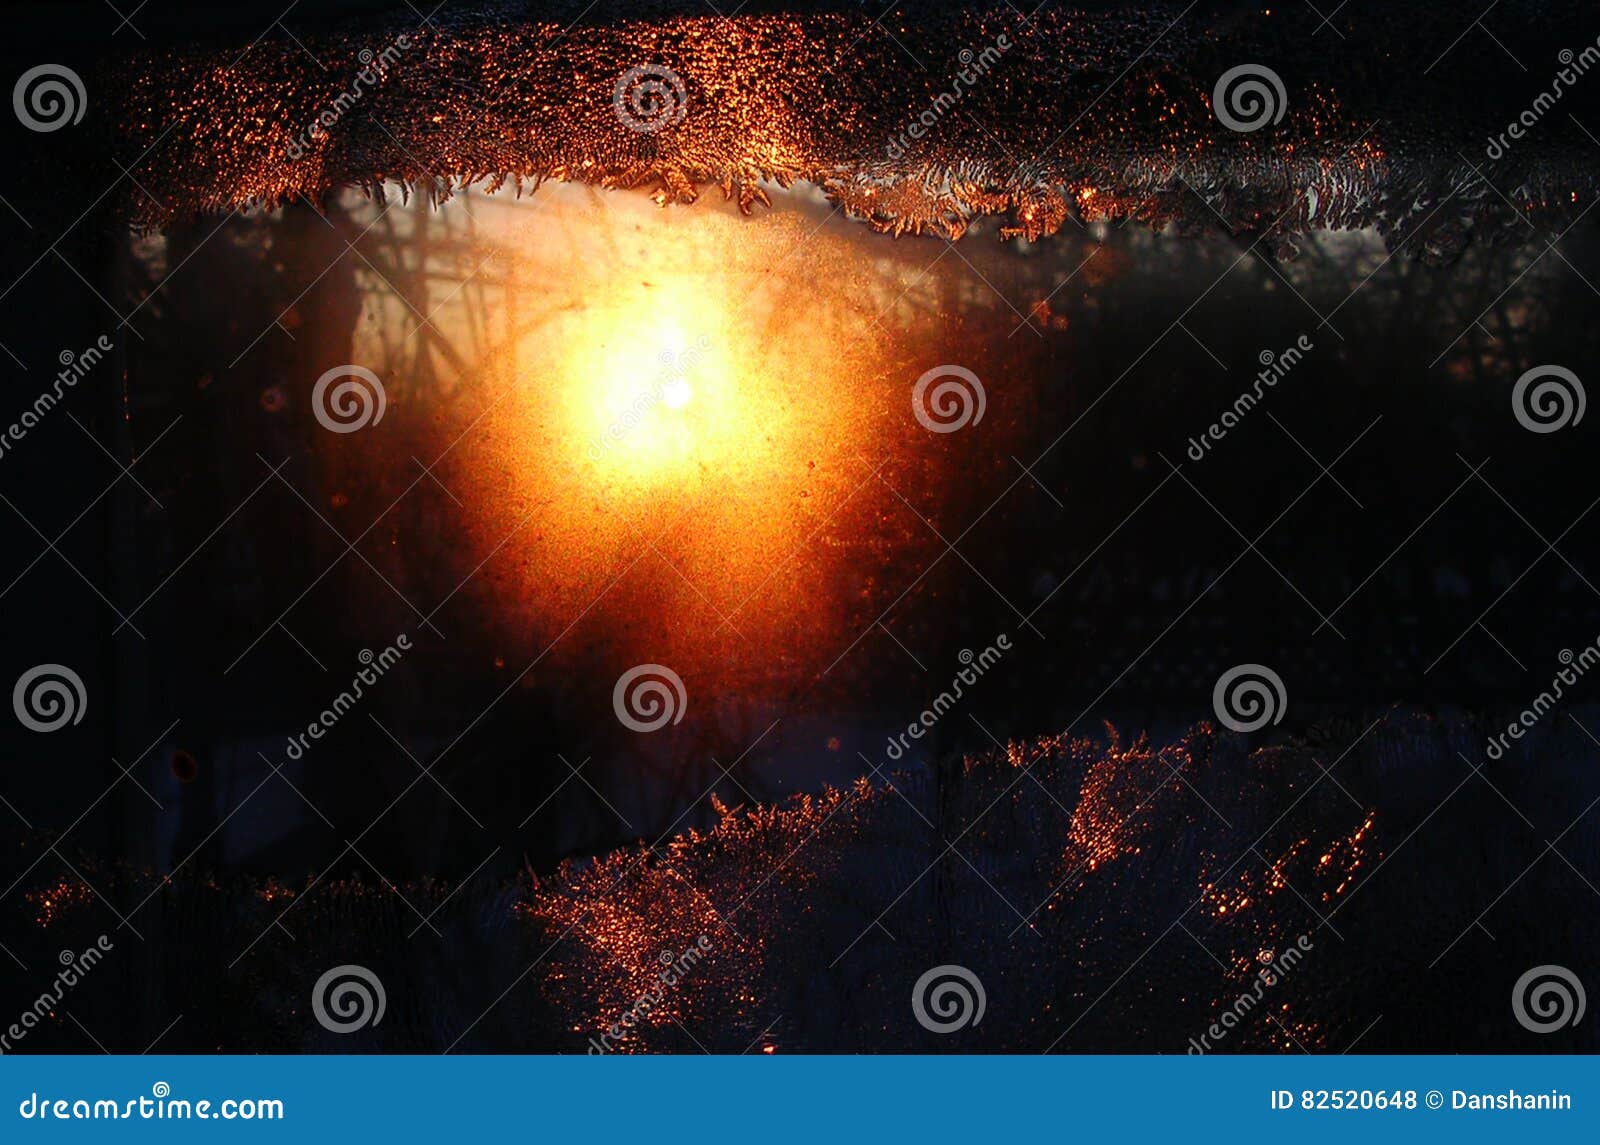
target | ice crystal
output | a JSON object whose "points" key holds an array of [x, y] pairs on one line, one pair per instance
{"points": [[925, 120], [1109, 893]]}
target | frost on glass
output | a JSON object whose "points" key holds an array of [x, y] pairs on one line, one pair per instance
{"points": [[924, 121], [1109, 893]]}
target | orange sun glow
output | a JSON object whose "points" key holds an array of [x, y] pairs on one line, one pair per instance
{"points": [[683, 430]]}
